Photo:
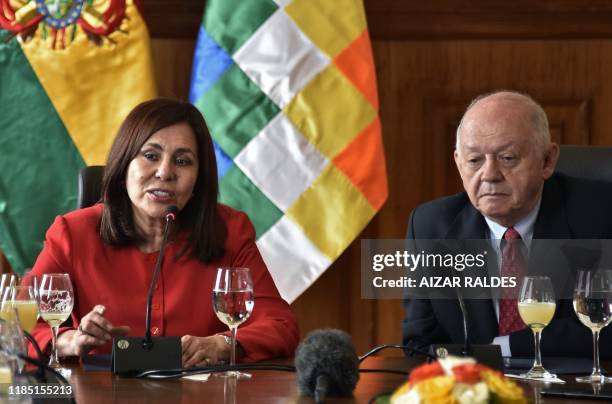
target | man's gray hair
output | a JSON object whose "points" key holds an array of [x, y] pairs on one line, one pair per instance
{"points": [[539, 118]]}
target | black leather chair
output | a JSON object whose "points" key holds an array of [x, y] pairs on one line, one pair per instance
{"points": [[590, 162], [90, 186]]}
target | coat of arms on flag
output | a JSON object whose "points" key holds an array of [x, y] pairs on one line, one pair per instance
{"points": [[58, 19], [70, 71], [288, 90]]}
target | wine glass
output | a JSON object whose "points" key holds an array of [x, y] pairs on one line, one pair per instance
{"points": [[536, 306], [56, 299], [7, 280], [23, 299], [30, 279], [233, 303], [12, 341], [593, 306]]}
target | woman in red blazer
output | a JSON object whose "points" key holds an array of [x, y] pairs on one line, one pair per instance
{"points": [[163, 155]]}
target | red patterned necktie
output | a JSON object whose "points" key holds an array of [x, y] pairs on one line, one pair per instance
{"points": [[512, 264]]}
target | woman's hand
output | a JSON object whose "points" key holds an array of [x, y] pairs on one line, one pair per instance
{"points": [[205, 351], [94, 331]]}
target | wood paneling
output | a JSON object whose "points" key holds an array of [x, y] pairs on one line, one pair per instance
{"points": [[439, 19], [427, 73], [488, 19], [172, 66], [173, 18]]}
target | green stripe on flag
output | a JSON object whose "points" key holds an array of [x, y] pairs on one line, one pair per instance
{"points": [[38, 160], [236, 190], [232, 22], [235, 110]]}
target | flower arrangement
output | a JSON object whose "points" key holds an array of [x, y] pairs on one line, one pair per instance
{"points": [[457, 381]]}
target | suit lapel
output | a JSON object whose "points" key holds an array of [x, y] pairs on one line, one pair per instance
{"points": [[468, 225]]}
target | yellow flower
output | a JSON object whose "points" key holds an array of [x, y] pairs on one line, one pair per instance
{"points": [[401, 395], [506, 390], [437, 390]]}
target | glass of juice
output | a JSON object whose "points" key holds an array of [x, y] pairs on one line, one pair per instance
{"points": [[23, 299], [536, 306]]}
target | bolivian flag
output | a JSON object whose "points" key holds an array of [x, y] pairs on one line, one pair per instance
{"points": [[288, 90], [70, 71]]}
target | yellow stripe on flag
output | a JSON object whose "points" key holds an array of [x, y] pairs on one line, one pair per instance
{"points": [[330, 111], [331, 212], [331, 25], [94, 87]]}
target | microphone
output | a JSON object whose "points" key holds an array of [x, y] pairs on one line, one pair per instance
{"points": [[132, 355], [487, 354], [326, 363]]}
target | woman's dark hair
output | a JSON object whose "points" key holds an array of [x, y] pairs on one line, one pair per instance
{"points": [[200, 216]]}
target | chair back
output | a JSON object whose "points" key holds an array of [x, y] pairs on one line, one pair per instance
{"points": [[90, 186], [588, 162]]}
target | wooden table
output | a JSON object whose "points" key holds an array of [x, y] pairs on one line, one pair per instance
{"points": [[264, 387]]}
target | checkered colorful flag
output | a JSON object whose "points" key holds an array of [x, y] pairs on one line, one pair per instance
{"points": [[288, 90]]}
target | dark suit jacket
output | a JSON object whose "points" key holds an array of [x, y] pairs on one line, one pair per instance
{"points": [[571, 208]]}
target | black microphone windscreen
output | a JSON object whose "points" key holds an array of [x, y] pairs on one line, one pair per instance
{"points": [[329, 352]]}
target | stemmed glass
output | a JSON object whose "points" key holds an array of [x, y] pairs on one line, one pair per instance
{"points": [[593, 306], [29, 279], [233, 303], [23, 299], [536, 306], [12, 343], [56, 299], [7, 280]]}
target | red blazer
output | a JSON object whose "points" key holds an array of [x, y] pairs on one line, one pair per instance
{"points": [[119, 278]]}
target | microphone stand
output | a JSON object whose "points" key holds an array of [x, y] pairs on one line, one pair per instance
{"points": [[148, 341], [133, 355], [467, 349], [488, 354]]}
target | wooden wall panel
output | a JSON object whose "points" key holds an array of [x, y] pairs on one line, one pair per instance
{"points": [[487, 19], [440, 19], [558, 51], [172, 60]]}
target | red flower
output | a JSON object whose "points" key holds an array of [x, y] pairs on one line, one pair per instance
{"points": [[468, 373], [425, 372]]}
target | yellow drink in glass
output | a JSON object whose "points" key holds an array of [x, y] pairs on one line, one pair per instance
{"points": [[536, 314], [27, 311]]}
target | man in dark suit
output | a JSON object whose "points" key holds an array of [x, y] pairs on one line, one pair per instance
{"points": [[506, 161]]}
